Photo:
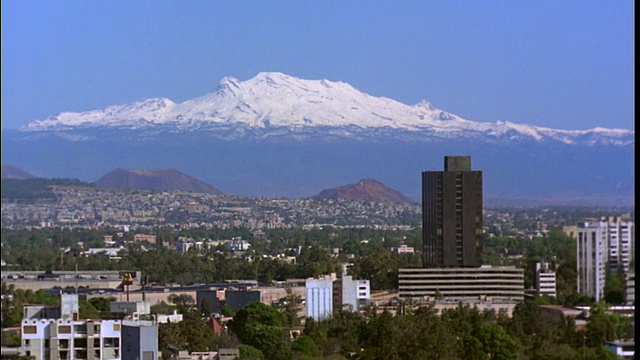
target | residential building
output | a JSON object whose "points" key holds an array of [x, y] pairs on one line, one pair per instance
{"points": [[452, 215], [545, 280], [630, 287], [591, 258], [605, 246], [354, 294], [67, 337]]}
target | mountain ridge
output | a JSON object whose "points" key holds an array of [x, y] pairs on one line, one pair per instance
{"points": [[366, 189], [276, 104], [12, 172], [155, 179]]}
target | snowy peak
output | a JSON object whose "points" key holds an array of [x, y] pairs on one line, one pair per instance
{"points": [[273, 100]]}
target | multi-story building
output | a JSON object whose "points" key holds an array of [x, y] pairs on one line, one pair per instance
{"points": [[319, 297], [452, 215], [68, 337], [545, 280], [497, 283], [591, 258], [355, 294], [603, 247], [621, 244], [630, 287]]}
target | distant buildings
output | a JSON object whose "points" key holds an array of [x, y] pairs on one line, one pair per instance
{"points": [[452, 215], [605, 246]]}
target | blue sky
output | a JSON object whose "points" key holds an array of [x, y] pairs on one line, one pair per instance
{"points": [[560, 64]]}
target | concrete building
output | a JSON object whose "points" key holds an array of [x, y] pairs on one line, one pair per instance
{"points": [[354, 294], [591, 258], [621, 244], [545, 280], [237, 299], [319, 297], [630, 288], [452, 215], [604, 246], [622, 349], [67, 337], [497, 283], [129, 309]]}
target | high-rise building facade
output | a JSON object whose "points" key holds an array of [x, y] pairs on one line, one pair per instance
{"points": [[603, 247], [591, 259], [452, 215]]}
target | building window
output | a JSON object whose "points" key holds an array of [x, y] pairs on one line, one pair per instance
{"points": [[29, 329], [64, 329]]}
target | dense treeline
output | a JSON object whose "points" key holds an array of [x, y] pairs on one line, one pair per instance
{"points": [[458, 333], [34, 189], [370, 259], [40, 250]]}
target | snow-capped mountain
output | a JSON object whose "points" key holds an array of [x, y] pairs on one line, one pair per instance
{"points": [[275, 104]]}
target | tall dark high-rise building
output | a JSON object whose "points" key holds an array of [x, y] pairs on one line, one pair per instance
{"points": [[452, 215]]}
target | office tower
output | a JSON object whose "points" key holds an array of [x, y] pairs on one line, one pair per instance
{"points": [[452, 215]]}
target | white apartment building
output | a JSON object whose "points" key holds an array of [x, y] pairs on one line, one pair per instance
{"points": [[603, 247], [356, 294], [591, 258], [319, 297], [621, 245], [545, 280], [68, 337]]}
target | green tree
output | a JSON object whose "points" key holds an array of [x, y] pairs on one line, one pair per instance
{"points": [[602, 325], [614, 290], [205, 308], [379, 267], [248, 352], [496, 342], [87, 310], [259, 325], [305, 345]]}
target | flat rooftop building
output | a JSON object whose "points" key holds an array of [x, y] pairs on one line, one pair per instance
{"points": [[498, 283]]}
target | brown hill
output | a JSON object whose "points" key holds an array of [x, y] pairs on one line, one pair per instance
{"points": [[367, 189], [12, 172], [159, 180]]}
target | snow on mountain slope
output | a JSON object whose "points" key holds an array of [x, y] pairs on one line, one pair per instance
{"points": [[275, 100]]}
